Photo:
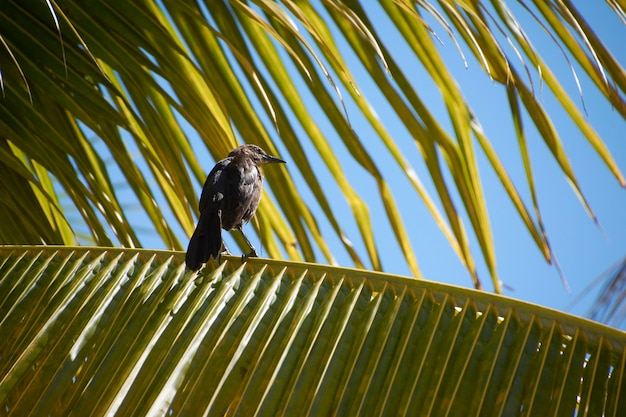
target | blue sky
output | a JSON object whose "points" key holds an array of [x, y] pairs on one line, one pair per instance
{"points": [[583, 250]]}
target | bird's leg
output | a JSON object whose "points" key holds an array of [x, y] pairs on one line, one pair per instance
{"points": [[223, 252], [252, 253]]}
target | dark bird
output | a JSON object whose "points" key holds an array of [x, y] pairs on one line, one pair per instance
{"points": [[229, 199]]}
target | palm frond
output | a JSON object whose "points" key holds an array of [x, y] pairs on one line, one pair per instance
{"points": [[152, 93], [609, 291], [103, 331]]}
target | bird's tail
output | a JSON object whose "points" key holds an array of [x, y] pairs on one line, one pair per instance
{"points": [[206, 241]]}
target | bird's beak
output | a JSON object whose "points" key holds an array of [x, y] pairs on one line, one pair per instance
{"points": [[269, 159]]}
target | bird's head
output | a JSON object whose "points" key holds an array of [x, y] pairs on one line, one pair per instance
{"points": [[256, 154]]}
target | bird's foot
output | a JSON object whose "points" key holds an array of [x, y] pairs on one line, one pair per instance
{"points": [[225, 252], [252, 254]]}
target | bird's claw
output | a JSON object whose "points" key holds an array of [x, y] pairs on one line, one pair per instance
{"points": [[225, 252], [252, 254]]}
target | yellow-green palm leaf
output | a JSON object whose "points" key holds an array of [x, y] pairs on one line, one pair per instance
{"points": [[114, 111], [95, 331]]}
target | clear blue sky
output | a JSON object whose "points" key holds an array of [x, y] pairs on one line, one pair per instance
{"points": [[583, 250]]}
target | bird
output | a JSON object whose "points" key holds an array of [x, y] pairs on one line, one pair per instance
{"points": [[230, 197]]}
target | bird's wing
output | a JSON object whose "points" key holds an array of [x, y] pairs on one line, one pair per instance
{"points": [[215, 187]]}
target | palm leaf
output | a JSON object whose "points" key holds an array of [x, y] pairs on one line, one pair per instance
{"points": [[95, 331], [609, 292], [112, 112]]}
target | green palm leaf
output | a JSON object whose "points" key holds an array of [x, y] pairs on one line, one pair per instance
{"points": [[95, 331], [112, 111]]}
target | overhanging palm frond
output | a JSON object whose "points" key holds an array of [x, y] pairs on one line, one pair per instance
{"points": [[143, 93], [609, 306], [94, 331]]}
